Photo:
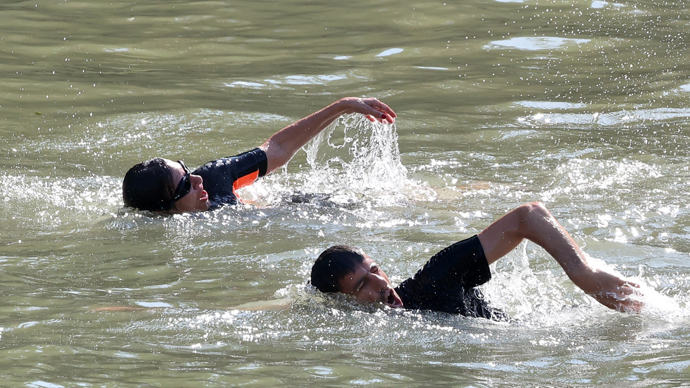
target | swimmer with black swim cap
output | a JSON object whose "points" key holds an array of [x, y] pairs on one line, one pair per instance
{"points": [[166, 186]]}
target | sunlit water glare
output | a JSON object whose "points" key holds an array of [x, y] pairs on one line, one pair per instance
{"points": [[582, 105]]}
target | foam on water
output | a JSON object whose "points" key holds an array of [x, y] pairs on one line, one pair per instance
{"points": [[574, 120], [56, 201]]}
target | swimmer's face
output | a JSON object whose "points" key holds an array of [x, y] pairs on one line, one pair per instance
{"points": [[369, 284], [197, 198]]}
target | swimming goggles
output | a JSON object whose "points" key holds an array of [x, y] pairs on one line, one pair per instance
{"points": [[185, 185]]}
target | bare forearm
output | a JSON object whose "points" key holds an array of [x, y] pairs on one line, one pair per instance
{"points": [[284, 144], [535, 223]]}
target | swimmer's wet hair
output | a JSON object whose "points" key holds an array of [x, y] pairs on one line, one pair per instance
{"points": [[332, 265], [149, 186]]}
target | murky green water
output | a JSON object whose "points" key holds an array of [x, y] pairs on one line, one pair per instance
{"points": [[582, 105]]}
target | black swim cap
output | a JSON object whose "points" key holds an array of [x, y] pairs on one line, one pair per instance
{"points": [[148, 186]]}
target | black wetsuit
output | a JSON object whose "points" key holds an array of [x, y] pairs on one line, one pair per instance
{"points": [[224, 176], [448, 280]]}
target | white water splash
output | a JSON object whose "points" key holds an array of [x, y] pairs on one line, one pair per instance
{"points": [[351, 161], [371, 158], [363, 160]]}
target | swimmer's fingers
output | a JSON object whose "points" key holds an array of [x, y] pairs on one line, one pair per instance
{"points": [[381, 117], [380, 106], [375, 110], [626, 287], [631, 284]]}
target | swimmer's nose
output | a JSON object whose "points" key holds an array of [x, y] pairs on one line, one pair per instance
{"points": [[381, 282], [196, 180]]}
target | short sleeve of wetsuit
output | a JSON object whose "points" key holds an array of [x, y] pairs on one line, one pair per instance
{"points": [[446, 283], [224, 176]]}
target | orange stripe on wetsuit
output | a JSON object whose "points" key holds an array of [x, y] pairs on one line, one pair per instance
{"points": [[243, 182], [224, 176]]}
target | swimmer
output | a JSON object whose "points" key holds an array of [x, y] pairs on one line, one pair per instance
{"points": [[164, 186], [447, 282]]}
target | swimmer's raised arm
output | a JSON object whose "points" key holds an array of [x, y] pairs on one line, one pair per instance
{"points": [[535, 223], [282, 146]]}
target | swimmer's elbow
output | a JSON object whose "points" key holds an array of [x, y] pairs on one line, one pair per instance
{"points": [[277, 154]]}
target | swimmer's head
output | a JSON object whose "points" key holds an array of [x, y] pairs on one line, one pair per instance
{"points": [[332, 265], [149, 186], [348, 270], [161, 185]]}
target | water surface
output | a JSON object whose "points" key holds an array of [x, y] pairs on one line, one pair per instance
{"points": [[579, 104]]}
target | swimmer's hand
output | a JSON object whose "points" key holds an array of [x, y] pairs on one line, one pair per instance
{"points": [[610, 290], [373, 109]]}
